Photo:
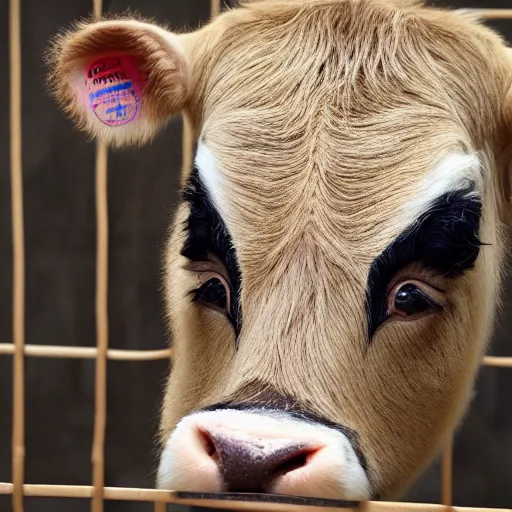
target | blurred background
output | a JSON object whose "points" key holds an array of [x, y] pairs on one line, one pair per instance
{"points": [[58, 167]]}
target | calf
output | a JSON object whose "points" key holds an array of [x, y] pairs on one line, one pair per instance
{"points": [[333, 268]]}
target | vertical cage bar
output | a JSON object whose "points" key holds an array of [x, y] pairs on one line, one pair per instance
{"points": [[100, 413], [100, 393], [18, 322], [187, 146], [447, 475], [215, 7]]}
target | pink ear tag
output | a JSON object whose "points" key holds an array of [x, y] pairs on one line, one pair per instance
{"points": [[114, 87]]}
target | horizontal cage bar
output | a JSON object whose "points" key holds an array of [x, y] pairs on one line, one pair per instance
{"points": [[150, 495], [499, 362], [491, 14], [63, 352]]}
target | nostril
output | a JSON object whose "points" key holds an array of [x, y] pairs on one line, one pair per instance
{"points": [[294, 462], [208, 443]]}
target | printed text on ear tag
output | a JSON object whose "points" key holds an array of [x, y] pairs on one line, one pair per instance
{"points": [[114, 90]]}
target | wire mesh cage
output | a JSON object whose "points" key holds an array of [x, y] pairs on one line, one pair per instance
{"points": [[19, 350]]}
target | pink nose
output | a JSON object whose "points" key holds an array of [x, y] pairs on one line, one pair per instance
{"points": [[263, 452], [249, 464]]}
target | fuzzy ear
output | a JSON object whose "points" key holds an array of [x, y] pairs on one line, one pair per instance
{"points": [[119, 80]]}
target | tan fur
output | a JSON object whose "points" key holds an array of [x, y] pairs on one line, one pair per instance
{"points": [[324, 116]]}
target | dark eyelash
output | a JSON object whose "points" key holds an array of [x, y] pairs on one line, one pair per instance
{"points": [[431, 302], [215, 288]]}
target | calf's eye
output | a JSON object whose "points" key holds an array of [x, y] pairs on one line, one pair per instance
{"points": [[213, 293], [412, 298]]}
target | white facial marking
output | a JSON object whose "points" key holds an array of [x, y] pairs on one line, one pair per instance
{"points": [[210, 176], [333, 471], [456, 171]]}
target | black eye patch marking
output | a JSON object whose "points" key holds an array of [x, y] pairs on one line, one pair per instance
{"points": [[207, 234], [444, 239]]}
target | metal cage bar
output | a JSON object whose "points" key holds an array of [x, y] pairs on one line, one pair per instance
{"points": [[100, 392], [491, 14], [63, 352], [164, 497], [100, 413], [101, 353], [18, 321], [447, 474]]}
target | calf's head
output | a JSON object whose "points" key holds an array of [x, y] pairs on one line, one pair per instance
{"points": [[333, 267]]}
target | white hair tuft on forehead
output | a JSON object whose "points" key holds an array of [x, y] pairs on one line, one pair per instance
{"points": [[455, 171], [210, 177]]}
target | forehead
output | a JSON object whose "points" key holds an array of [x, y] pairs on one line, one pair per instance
{"points": [[311, 207], [328, 119], [353, 58]]}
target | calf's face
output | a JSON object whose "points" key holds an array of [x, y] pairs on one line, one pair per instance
{"points": [[333, 267]]}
